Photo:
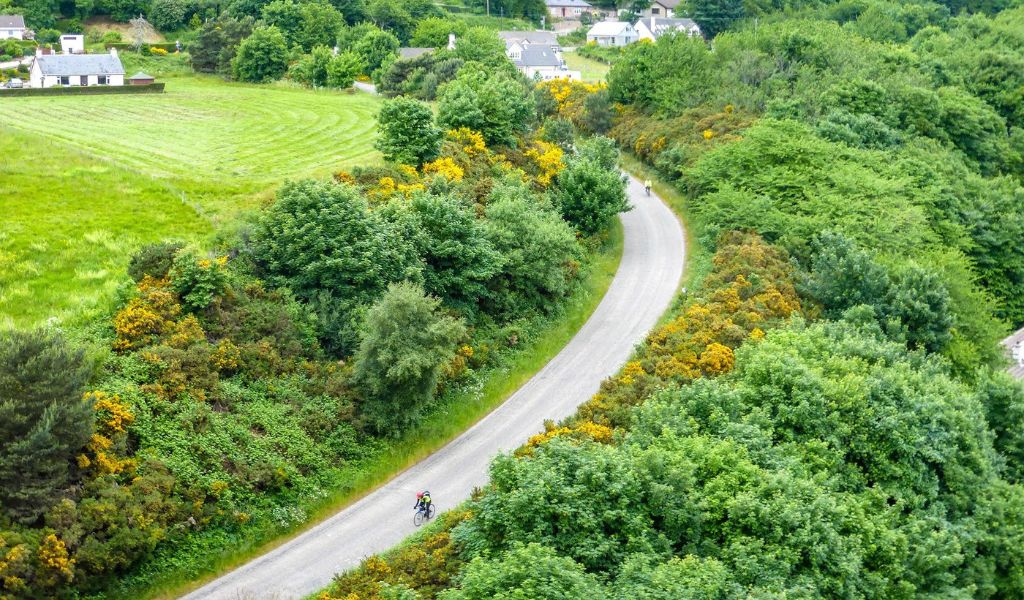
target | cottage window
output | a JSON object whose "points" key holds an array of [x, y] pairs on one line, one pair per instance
{"points": [[102, 80], [655, 11], [65, 80]]}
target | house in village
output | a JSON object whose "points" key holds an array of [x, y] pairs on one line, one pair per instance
{"points": [[541, 63], [568, 9], [76, 70], [660, 8], [13, 27], [1014, 346], [517, 41], [655, 27], [72, 43], [612, 33]]}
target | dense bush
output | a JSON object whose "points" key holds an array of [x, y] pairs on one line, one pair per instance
{"points": [[407, 132], [262, 57], [406, 341], [496, 105]]}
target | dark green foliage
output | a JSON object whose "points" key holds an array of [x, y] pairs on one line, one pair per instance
{"points": [[525, 571], [405, 342], [197, 282], [530, 9], [217, 42], [376, 49], [154, 260], [313, 68], [322, 238], [168, 15], [1003, 399], [911, 304], [391, 16], [496, 105], [459, 260], [715, 16], [44, 419], [262, 57], [418, 77], [481, 45], [824, 436], [305, 24], [590, 194], [539, 249], [407, 132]]}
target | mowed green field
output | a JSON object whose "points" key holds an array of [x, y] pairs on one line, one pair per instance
{"points": [[85, 180]]}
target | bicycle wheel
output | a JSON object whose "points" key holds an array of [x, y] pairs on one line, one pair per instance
{"points": [[417, 519], [431, 512]]}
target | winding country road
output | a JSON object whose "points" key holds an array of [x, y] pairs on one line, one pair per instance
{"points": [[643, 288]]}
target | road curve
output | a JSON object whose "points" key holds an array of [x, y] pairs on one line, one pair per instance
{"points": [[643, 288]]}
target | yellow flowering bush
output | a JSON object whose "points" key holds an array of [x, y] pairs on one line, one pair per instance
{"points": [[547, 157], [55, 566], [446, 167], [472, 142], [147, 316]]}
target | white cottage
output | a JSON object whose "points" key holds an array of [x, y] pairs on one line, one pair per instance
{"points": [[77, 70], [661, 8], [653, 28], [612, 33], [12, 27]]}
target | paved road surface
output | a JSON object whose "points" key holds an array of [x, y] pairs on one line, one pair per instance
{"points": [[642, 289]]}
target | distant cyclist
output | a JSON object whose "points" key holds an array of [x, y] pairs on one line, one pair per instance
{"points": [[423, 501], [647, 186]]}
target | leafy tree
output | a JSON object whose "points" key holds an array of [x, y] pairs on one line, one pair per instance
{"points": [[407, 132], [391, 16], [433, 32], [530, 571], [496, 105], [406, 340], [590, 194], [353, 10], [343, 70], [482, 45], [154, 260], [313, 68], [305, 24], [168, 15], [715, 16], [262, 57], [321, 241], [217, 42], [458, 258], [45, 420], [539, 249], [1003, 399], [376, 48]]}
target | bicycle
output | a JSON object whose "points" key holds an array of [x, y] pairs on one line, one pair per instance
{"points": [[424, 514]]}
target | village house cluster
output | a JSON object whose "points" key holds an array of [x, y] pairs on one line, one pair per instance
{"points": [[610, 30]]}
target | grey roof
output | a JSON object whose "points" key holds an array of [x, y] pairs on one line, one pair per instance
{"points": [[663, 25], [80, 64], [413, 52], [668, 3], [533, 37], [12, 22], [141, 75], [570, 3], [538, 57]]}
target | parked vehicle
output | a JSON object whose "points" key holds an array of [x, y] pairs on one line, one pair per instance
{"points": [[15, 83]]}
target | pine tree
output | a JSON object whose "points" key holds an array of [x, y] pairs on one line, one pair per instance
{"points": [[44, 419]]}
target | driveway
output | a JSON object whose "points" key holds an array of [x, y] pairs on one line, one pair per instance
{"points": [[643, 288]]}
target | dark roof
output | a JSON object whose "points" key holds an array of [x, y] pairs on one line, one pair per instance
{"points": [[538, 57], [12, 22], [80, 64], [413, 52], [533, 37], [668, 3], [141, 75]]}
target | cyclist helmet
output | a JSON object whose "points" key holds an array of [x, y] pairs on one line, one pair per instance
{"points": [[419, 494]]}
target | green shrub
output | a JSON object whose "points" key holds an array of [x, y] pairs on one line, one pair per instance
{"points": [[154, 260]]}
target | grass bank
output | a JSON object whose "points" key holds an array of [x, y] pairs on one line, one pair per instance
{"points": [[85, 180], [456, 412], [590, 69]]}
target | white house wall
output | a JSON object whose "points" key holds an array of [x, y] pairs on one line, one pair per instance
{"points": [[7, 34]]}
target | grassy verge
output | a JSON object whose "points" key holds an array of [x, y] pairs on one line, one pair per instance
{"points": [[590, 69], [459, 411]]}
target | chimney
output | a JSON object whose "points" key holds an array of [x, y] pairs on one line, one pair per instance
{"points": [[113, 51], [451, 41]]}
